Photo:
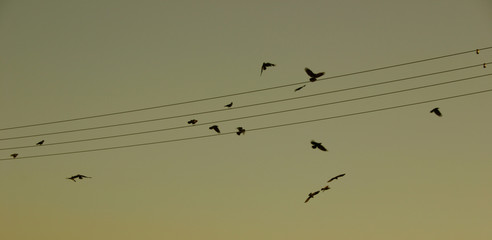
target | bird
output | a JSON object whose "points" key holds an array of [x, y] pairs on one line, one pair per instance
{"points": [[318, 145], [477, 51], [485, 65], [265, 65], [311, 195], [14, 155], [314, 76], [215, 127], [299, 88], [335, 178], [325, 188], [79, 176], [40, 143], [240, 130], [192, 121], [436, 111], [228, 105]]}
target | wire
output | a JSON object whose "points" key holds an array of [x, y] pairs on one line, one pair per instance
{"points": [[244, 106], [239, 93], [253, 129]]}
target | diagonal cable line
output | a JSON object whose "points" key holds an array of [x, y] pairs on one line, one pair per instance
{"points": [[241, 93], [244, 106], [253, 129]]}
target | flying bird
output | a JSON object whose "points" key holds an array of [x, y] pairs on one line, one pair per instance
{"points": [[314, 76], [436, 111], [40, 143], [228, 105], [325, 188], [79, 176], [335, 178], [215, 127], [318, 145], [14, 155], [192, 121], [265, 66], [299, 88], [240, 130], [311, 195]]}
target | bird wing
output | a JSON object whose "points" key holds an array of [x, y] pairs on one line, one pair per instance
{"points": [[317, 75], [307, 199], [309, 72], [321, 147]]}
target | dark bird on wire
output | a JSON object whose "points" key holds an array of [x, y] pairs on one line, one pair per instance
{"points": [[192, 121], [215, 127], [318, 145], [335, 178], [240, 130], [299, 88], [14, 155], [325, 188], [314, 76], [40, 143], [477, 51], [436, 111], [228, 105], [79, 176], [311, 195], [485, 65], [265, 66]]}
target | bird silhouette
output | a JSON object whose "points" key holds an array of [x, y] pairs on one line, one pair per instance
{"points": [[477, 51], [299, 88], [215, 127], [40, 143], [14, 155], [79, 176], [436, 111], [265, 65], [485, 65], [240, 130], [314, 76], [192, 121], [311, 195], [228, 105], [325, 188], [336, 177], [318, 145]]}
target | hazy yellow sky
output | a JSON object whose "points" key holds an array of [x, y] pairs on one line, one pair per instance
{"points": [[409, 174]]}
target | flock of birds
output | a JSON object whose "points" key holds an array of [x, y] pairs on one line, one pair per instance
{"points": [[240, 130]]}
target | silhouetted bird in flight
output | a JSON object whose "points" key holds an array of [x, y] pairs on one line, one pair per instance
{"points": [[299, 88], [79, 176], [311, 195], [215, 127], [436, 111], [335, 178], [314, 76], [265, 66], [192, 121], [240, 130], [318, 145], [14, 155], [40, 143], [325, 188], [228, 105]]}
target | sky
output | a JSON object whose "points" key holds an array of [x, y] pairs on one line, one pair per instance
{"points": [[409, 173]]}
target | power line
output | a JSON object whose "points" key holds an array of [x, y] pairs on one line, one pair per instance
{"points": [[244, 106], [241, 93], [253, 129]]}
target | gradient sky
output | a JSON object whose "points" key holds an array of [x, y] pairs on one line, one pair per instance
{"points": [[410, 174]]}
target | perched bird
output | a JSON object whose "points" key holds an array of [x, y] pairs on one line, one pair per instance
{"points": [[265, 65], [314, 76], [40, 143], [325, 188], [14, 155], [477, 51], [436, 111], [318, 145], [484, 65], [335, 178], [215, 127], [311, 195], [240, 130], [192, 121], [299, 88], [228, 105], [79, 176]]}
